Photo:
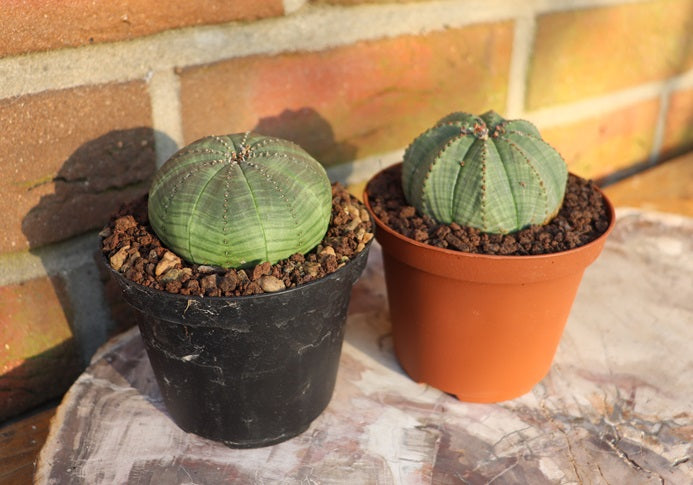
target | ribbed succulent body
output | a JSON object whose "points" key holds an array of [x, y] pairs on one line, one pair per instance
{"points": [[241, 199], [486, 172]]}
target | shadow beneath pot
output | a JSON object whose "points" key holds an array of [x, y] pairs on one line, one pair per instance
{"points": [[126, 363]]}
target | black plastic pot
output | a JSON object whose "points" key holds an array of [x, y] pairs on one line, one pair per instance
{"points": [[248, 371]]}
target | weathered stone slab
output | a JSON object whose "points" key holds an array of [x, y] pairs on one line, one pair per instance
{"points": [[615, 408]]}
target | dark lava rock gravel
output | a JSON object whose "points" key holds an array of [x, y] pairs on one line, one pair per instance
{"points": [[582, 218]]}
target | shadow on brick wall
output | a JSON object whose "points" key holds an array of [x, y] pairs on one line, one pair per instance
{"points": [[306, 127], [91, 184], [98, 177]]}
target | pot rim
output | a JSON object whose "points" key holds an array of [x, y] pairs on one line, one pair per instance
{"points": [[302, 287], [490, 257]]}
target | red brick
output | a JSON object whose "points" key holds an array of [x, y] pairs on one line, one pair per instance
{"points": [[353, 101], [38, 355], [678, 131], [591, 52], [68, 158], [37, 26], [596, 147]]}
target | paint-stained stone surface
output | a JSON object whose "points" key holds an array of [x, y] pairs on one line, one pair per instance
{"points": [[615, 408]]}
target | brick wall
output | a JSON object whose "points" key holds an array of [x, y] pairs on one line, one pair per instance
{"points": [[93, 95]]}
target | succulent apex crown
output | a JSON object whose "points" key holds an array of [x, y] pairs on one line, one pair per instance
{"points": [[241, 199], [486, 172]]}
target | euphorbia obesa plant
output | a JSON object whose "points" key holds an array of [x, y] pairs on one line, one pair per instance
{"points": [[238, 200], [485, 172]]}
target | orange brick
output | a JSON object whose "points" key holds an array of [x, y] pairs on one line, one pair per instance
{"points": [[591, 52], [37, 26], [678, 131], [353, 101], [68, 158], [38, 355], [597, 147], [357, 2]]}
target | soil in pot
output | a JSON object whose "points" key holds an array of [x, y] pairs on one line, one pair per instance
{"points": [[135, 251], [582, 218], [237, 360]]}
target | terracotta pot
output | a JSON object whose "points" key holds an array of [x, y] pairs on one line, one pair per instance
{"points": [[484, 328]]}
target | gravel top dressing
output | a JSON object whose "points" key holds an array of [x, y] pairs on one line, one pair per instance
{"points": [[133, 249], [582, 218]]}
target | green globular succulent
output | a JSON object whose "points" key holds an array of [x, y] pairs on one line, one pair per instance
{"points": [[239, 200], [486, 172]]}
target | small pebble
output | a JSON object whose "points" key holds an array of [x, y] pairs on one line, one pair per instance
{"points": [[132, 258], [206, 269], [168, 261], [172, 274], [124, 223], [261, 270], [270, 284], [312, 268], [119, 258], [326, 252], [353, 224], [208, 282]]}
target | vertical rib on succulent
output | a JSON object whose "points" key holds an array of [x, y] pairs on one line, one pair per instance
{"points": [[485, 172], [241, 199]]}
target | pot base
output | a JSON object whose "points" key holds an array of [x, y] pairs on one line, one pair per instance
{"points": [[247, 444], [462, 393]]}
